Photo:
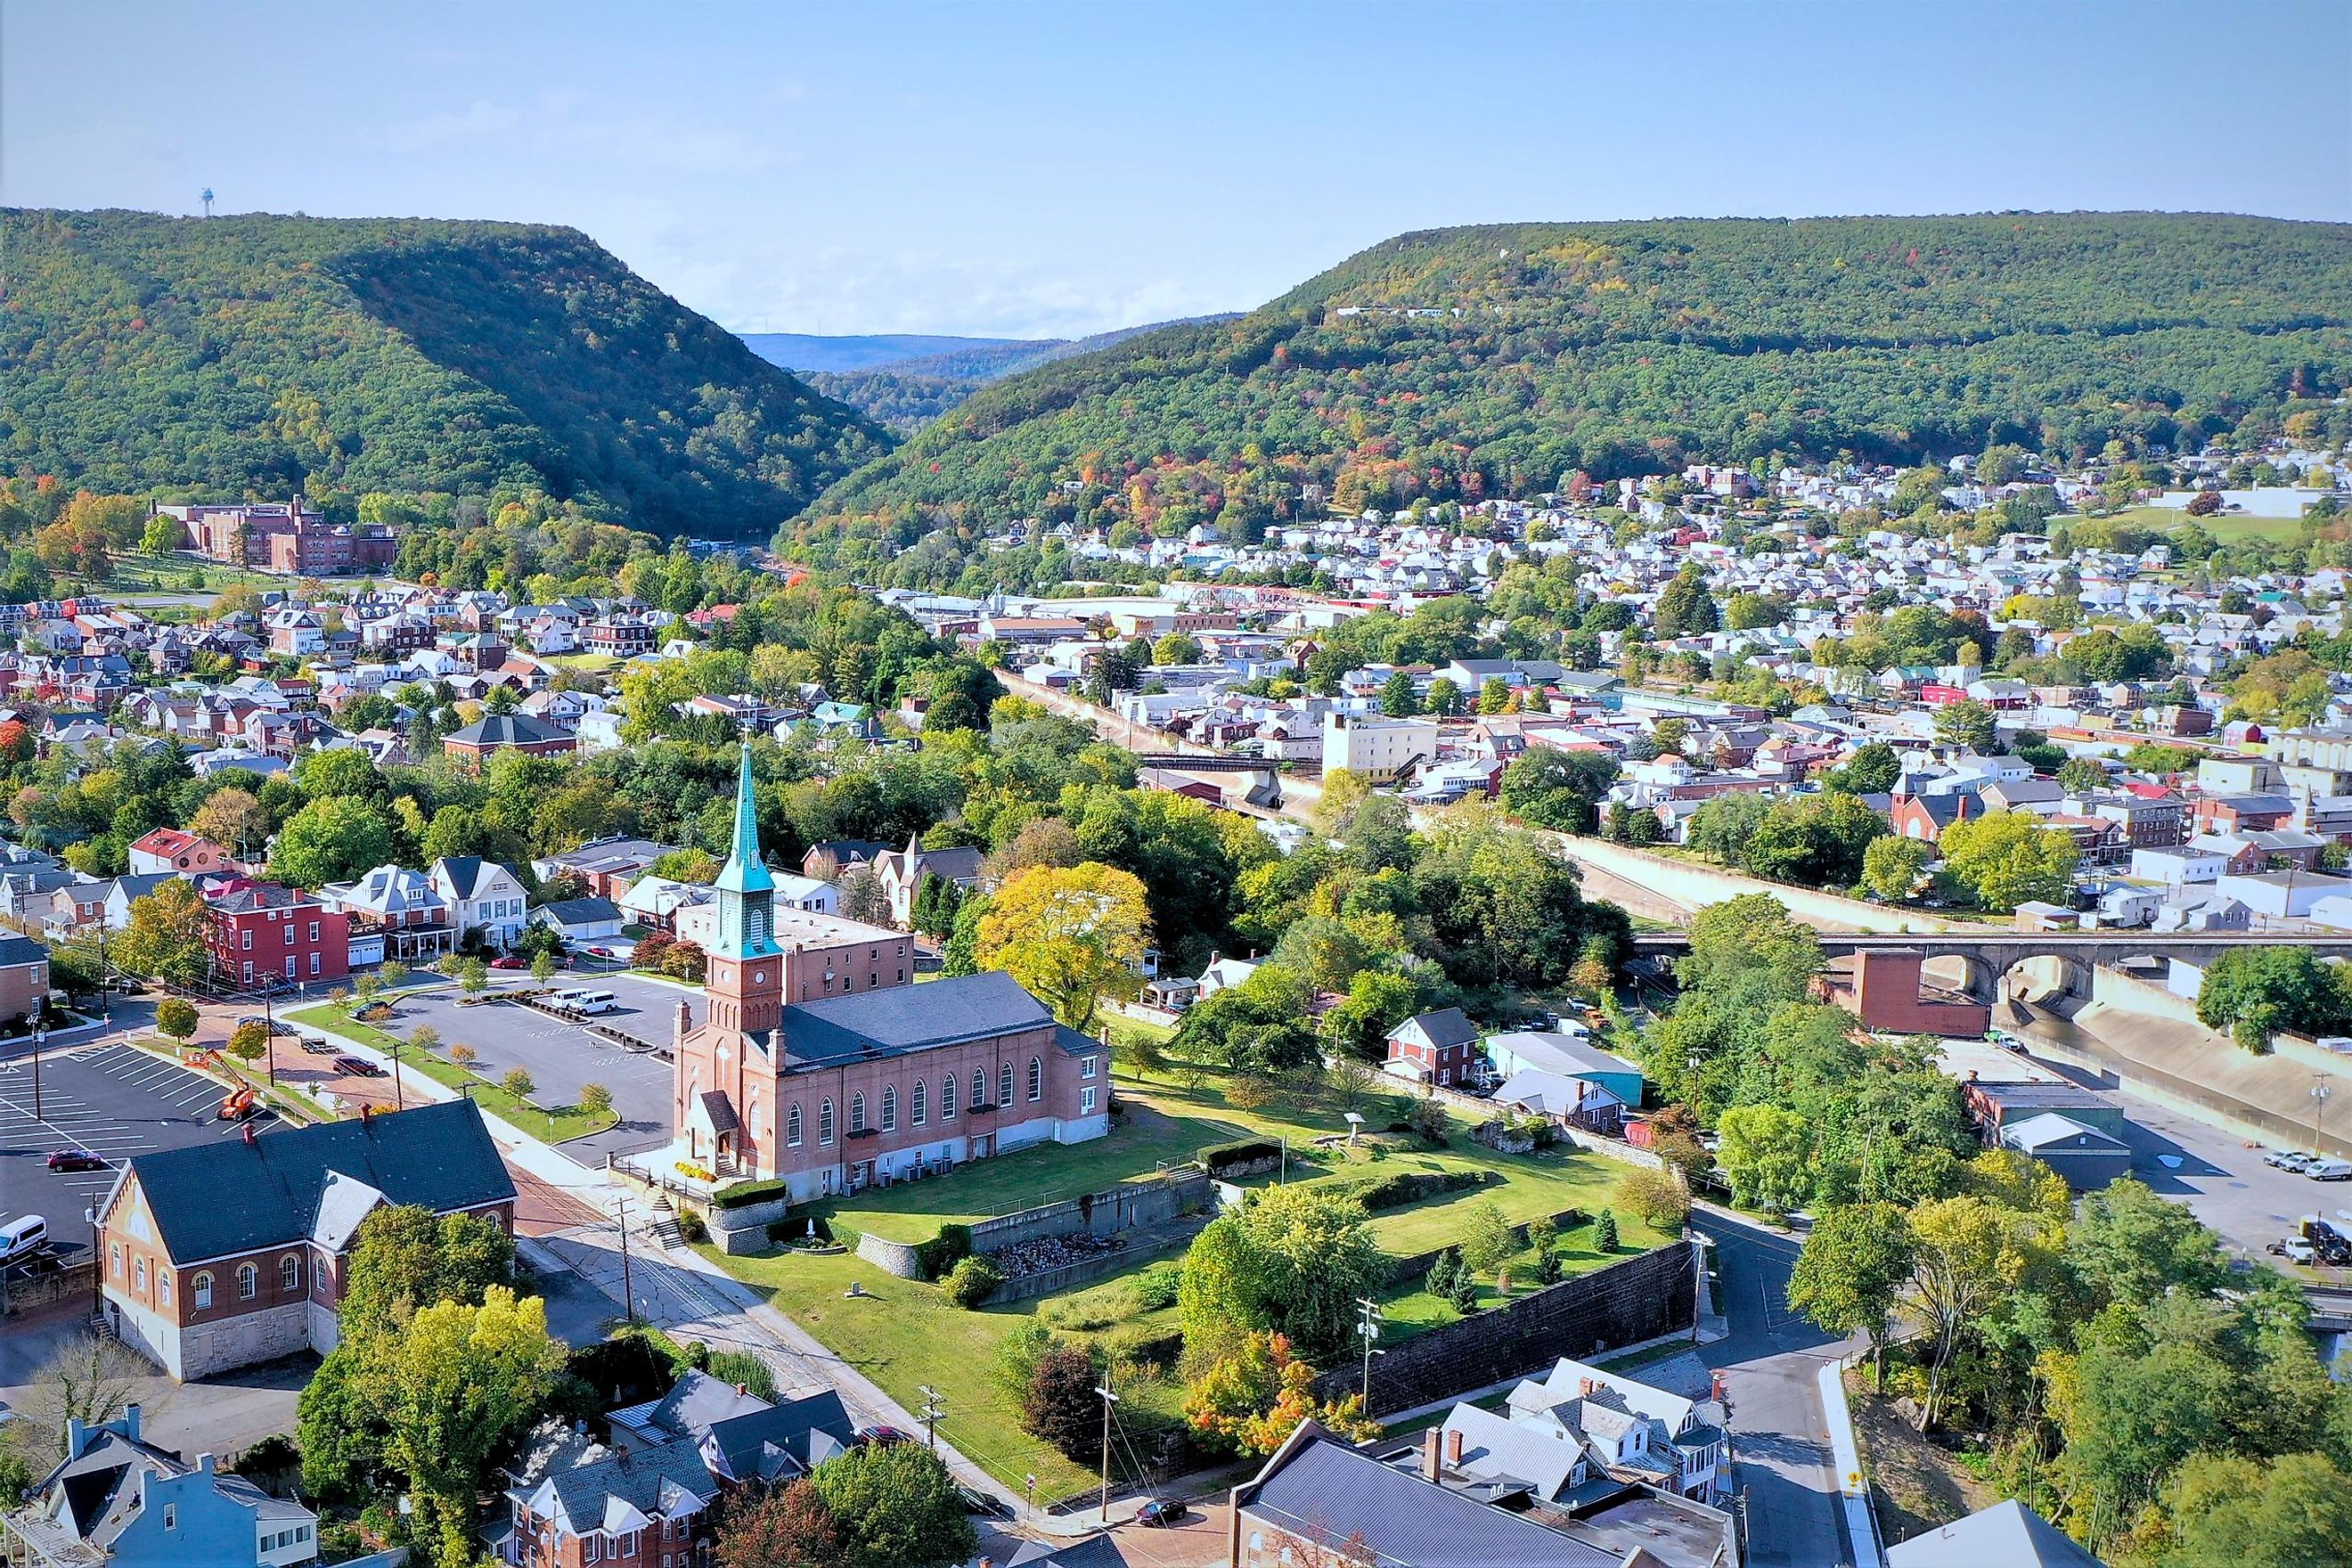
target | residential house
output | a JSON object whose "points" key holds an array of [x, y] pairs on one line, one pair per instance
{"points": [[2008, 1533], [168, 849], [903, 874], [117, 1499], [607, 865], [204, 1286], [580, 919], [402, 908], [1439, 1047], [264, 934], [573, 1502], [486, 902], [1925, 816]]}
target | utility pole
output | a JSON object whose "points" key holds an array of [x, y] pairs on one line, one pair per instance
{"points": [[628, 1292], [1368, 1325], [934, 1406], [1031, 1480], [38, 1035], [2319, 1093], [1108, 1399]]}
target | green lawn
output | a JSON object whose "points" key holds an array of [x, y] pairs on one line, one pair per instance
{"points": [[903, 1335], [907, 1334], [2228, 530], [548, 1126]]}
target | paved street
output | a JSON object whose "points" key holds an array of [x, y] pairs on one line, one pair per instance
{"points": [[1771, 1363]]}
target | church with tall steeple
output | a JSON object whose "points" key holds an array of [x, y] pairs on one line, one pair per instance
{"points": [[818, 1060]]}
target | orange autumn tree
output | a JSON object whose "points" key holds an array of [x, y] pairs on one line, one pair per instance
{"points": [[1256, 1397]]}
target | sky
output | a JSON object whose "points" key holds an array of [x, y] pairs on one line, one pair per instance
{"points": [[1028, 170]]}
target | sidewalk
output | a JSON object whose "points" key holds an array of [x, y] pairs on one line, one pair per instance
{"points": [[1853, 1487]]}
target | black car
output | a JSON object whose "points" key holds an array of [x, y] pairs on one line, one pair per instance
{"points": [[980, 1503], [1162, 1513], [358, 1067], [274, 1025]]}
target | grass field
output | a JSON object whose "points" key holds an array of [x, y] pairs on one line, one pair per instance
{"points": [[2228, 530], [548, 1126]]}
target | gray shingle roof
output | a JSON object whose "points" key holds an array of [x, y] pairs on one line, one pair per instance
{"points": [[2007, 1532], [212, 1199], [1325, 1491], [902, 1018]]}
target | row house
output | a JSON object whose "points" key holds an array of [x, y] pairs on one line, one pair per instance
{"points": [[264, 934], [621, 635]]}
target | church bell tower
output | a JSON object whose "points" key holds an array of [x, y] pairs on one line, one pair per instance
{"points": [[746, 979]]}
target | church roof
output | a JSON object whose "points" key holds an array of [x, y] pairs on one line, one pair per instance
{"points": [[745, 871]]}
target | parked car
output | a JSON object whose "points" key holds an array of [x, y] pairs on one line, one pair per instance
{"points": [[75, 1160], [2294, 1248], [274, 1025], [318, 1045], [1162, 1513], [358, 1067], [2329, 1169], [980, 1503], [23, 1237], [2288, 1159], [508, 961], [883, 1437]]}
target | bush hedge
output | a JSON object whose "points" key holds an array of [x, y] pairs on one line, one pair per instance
{"points": [[1219, 1158], [971, 1282], [742, 1195], [1403, 1187], [943, 1251]]}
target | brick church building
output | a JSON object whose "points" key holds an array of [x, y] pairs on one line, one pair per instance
{"points": [[831, 1091]]}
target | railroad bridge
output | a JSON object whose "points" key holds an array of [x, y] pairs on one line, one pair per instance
{"points": [[1988, 957]]}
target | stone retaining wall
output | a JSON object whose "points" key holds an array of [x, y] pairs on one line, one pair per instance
{"points": [[1127, 1207], [1626, 1303], [1070, 1276], [739, 1231], [25, 1292], [891, 1256]]}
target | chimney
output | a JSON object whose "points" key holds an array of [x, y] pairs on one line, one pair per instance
{"points": [[204, 1464], [131, 1421], [1454, 1447], [1429, 1452]]}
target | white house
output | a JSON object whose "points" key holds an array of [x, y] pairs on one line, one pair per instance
{"points": [[2178, 868], [1624, 1425], [484, 897], [1379, 750]]}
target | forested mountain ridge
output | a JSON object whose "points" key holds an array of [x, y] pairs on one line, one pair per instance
{"points": [[1458, 363], [266, 353]]}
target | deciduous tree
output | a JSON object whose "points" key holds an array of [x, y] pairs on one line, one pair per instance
{"points": [[1071, 937]]}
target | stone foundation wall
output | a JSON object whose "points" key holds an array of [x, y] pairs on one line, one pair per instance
{"points": [[1642, 1299]]}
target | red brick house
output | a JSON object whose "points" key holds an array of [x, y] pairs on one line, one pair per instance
{"points": [[222, 1254], [24, 977], [262, 932], [1433, 1048], [473, 747], [1925, 816]]}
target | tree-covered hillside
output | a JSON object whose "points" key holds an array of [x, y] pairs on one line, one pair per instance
{"points": [[1466, 363], [263, 354]]}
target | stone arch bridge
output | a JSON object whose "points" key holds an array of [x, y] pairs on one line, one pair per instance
{"points": [[1989, 955]]}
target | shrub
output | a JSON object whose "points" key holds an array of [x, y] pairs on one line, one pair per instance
{"points": [[943, 1251], [1541, 1233], [1156, 1287], [1251, 1091], [1144, 1345], [1060, 1405], [1223, 1159], [741, 1194], [1403, 1187], [971, 1282], [691, 1226], [1426, 1120], [746, 1371]]}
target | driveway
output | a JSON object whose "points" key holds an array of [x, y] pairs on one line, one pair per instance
{"points": [[215, 1416], [1771, 1363]]}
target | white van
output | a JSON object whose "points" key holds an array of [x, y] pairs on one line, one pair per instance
{"points": [[23, 1237], [2329, 1169], [591, 1001]]}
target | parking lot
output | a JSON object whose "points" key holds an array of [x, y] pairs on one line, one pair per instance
{"points": [[109, 1097], [561, 1057]]}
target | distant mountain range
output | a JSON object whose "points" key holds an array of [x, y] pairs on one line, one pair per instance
{"points": [[906, 380], [1463, 362], [273, 354], [803, 353]]}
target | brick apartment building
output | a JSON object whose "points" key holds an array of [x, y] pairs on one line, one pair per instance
{"points": [[262, 931], [863, 1085], [472, 747], [283, 537], [203, 1284]]}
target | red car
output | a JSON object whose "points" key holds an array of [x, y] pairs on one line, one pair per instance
{"points": [[358, 1067], [508, 961], [76, 1160], [883, 1437]]}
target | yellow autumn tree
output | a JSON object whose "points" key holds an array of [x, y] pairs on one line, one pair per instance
{"points": [[1071, 935]]}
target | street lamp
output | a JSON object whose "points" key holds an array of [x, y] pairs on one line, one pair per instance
{"points": [[2320, 1090], [39, 1034]]}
